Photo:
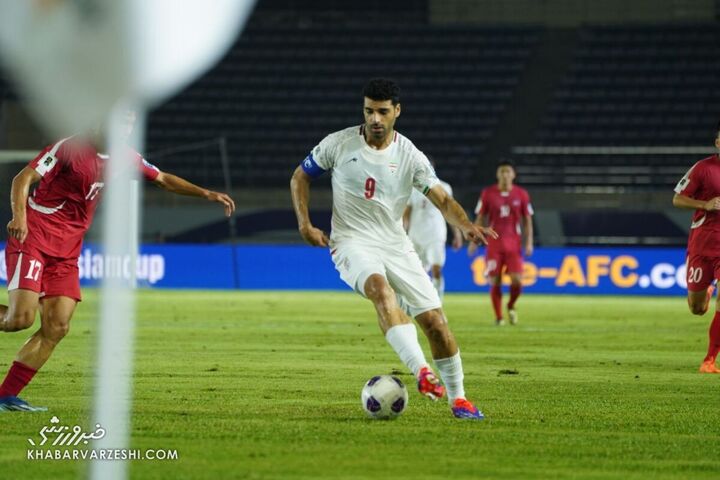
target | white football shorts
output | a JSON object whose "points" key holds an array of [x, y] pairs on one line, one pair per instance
{"points": [[431, 254], [400, 266]]}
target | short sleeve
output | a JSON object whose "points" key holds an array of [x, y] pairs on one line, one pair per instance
{"points": [[424, 177], [149, 171], [321, 158], [690, 182], [48, 161]]}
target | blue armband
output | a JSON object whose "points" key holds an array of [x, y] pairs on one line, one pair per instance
{"points": [[312, 168]]}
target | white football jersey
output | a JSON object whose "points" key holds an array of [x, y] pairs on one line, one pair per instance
{"points": [[427, 225], [371, 187]]}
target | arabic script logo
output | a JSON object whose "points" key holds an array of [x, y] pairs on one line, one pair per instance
{"points": [[66, 435]]}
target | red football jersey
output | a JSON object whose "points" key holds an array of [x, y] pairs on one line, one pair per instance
{"points": [[61, 208], [702, 182], [505, 210]]}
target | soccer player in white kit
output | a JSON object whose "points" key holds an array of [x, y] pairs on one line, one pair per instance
{"points": [[427, 230], [374, 169]]}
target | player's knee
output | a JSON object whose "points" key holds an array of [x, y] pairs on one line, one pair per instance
{"points": [[434, 323], [377, 289], [20, 319], [697, 308], [436, 271], [56, 329]]}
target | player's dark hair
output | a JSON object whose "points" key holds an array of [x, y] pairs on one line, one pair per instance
{"points": [[506, 163], [717, 130], [381, 89]]}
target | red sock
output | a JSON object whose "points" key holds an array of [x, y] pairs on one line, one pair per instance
{"points": [[714, 343], [515, 290], [17, 378], [496, 297]]}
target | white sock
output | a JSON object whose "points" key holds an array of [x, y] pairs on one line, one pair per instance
{"points": [[451, 372], [403, 339], [439, 284]]}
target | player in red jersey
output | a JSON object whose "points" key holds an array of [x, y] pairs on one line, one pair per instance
{"points": [[699, 190], [506, 208], [45, 237]]}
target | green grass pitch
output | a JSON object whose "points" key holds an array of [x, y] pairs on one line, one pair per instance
{"points": [[267, 384]]}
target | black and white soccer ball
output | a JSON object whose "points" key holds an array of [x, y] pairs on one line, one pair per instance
{"points": [[384, 397]]}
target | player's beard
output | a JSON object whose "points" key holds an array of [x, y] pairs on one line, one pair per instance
{"points": [[377, 133]]}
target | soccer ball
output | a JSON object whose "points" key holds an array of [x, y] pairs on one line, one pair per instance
{"points": [[384, 397]]}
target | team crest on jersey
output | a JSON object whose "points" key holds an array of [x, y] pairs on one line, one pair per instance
{"points": [[393, 167]]}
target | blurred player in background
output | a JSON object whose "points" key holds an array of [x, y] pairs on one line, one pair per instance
{"points": [[699, 190], [374, 169], [507, 209], [427, 230], [45, 237]]}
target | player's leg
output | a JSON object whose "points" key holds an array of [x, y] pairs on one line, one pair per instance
{"points": [[446, 356], [700, 275], [55, 323], [437, 279], [494, 263], [495, 282], [407, 277], [699, 301], [436, 260], [20, 311], [514, 268], [363, 270], [397, 327], [61, 284], [708, 364]]}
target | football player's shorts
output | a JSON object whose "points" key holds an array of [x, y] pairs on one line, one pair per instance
{"points": [[701, 271], [400, 266], [497, 260], [30, 269]]}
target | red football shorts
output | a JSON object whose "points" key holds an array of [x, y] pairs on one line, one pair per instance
{"points": [[701, 271], [30, 269], [495, 261]]}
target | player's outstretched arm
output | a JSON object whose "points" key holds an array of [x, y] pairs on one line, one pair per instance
{"points": [[17, 227], [479, 221], [682, 201], [456, 216], [173, 183], [457, 240], [300, 192], [527, 231]]}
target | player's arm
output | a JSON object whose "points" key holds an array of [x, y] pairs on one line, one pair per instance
{"points": [[456, 216], [17, 227], [300, 192], [173, 183], [481, 220], [527, 230], [683, 201], [457, 238]]}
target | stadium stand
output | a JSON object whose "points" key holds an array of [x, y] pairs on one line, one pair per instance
{"points": [[630, 86]]}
